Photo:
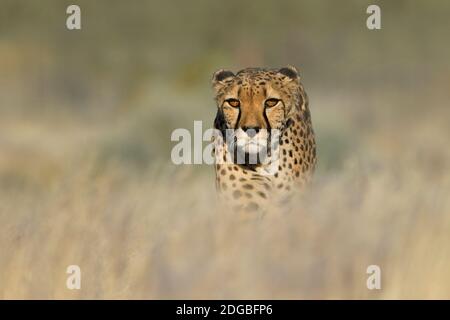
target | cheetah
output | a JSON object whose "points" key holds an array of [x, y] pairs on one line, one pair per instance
{"points": [[261, 110]]}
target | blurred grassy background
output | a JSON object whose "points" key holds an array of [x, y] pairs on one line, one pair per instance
{"points": [[85, 171]]}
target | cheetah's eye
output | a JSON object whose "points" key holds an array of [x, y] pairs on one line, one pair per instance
{"points": [[271, 102], [234, 103]]}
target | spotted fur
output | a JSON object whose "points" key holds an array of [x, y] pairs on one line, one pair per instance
{"points": [[263, 99]]}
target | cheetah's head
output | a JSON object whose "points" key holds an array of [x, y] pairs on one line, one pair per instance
{"points": [[255, 103]]}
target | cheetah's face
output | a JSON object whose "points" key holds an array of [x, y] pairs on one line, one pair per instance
{"points": [[253, 103]]}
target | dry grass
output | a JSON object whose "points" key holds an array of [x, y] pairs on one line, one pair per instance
{"points": [[155, 231]]}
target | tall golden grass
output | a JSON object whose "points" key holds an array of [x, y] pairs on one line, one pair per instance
{"points": [[155, 231]]}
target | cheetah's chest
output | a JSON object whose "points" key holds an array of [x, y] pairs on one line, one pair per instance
{"points": [[253, 188]]}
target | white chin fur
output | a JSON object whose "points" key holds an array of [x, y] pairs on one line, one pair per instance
{"points": [[255, 145], [253, 148], [251, 145]]}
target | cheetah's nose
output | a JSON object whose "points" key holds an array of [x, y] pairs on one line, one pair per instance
{"points": [[251, 131]]}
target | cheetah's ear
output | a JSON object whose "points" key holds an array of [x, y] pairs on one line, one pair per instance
{"points": [[290, 72], [219, 78]]}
